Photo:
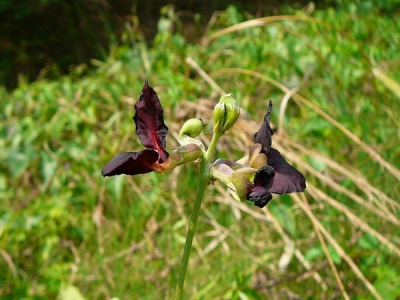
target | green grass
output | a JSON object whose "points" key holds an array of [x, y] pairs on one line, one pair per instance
{"points": [[65, 230]]}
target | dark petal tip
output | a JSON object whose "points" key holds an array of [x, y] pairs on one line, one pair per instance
{"points": [[131, 163], [260, 196], [149, 120], [264, 135]]}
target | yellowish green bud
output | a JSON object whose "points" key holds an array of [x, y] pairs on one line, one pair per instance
{"points": [[192, 127], [226, 113]]}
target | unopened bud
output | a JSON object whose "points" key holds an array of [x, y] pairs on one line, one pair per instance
{"points": [[192, 127], [226, 113]]}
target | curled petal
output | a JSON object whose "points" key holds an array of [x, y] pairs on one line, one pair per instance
{"points": [[257, 159], [264, 176], [287, 179], [264, 135], [232, 164], [260, 196], [244, 161], [149, 120], [131, 163], [247, 172], [254, 150]]}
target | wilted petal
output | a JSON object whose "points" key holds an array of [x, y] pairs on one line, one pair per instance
{"points": [[149, 120], [287, 179], [263, 136], [260, 196], [131, 163]]}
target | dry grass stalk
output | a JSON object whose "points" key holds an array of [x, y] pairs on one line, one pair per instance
{"points": [[305, 207]]}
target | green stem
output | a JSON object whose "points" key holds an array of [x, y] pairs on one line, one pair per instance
{"points": [[204, 178], [213, 143]]}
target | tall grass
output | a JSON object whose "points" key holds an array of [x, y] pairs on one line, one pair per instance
{"points": [[333, 76]]}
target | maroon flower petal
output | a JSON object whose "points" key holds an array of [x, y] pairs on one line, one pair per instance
{"points": [[263, 136], [287, 179], [149, 120], [131, 163]]}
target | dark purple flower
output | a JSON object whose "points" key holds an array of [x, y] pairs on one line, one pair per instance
{"points": [[150, 127], [278, 176], [260, 173]]}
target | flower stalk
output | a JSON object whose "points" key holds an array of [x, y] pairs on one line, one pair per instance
{"points": [[204, 178]]}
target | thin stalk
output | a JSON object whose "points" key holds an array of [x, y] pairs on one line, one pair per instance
{"points": [[204, 178]]}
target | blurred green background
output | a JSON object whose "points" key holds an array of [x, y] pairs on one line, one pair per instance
{"points": [[332, 70]]}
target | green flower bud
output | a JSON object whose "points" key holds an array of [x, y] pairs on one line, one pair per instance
{"points": [[189, 152], [192, 127], [226, 113]]}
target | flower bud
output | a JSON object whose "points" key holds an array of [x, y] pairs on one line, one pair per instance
{"points": [[192, 127], [179, 156], [226, 113], [189, 152]]}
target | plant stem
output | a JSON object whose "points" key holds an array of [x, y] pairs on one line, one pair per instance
{"points": [[192, 227], [204, 178]]}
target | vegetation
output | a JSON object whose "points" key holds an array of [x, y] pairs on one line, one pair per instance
{"points": [[333, 76]]}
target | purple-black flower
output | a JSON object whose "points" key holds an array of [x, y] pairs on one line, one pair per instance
{"points": [[150, 127], [262, 172], [278, 176]]}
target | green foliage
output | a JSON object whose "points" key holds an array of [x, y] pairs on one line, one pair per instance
{"points": [[66, 232]]}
